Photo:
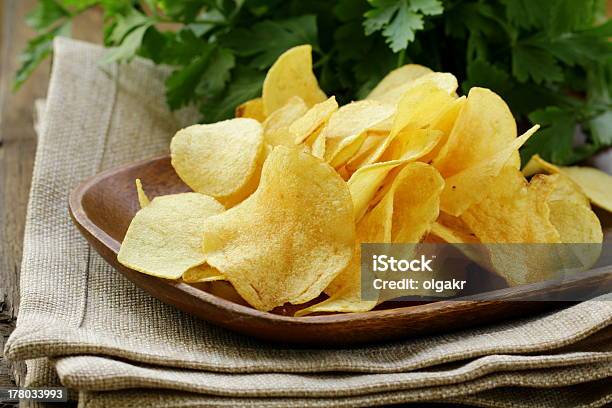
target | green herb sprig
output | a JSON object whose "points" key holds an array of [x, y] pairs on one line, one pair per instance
{"points": [[552, 61]]}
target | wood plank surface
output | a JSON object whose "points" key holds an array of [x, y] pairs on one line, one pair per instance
{"points": [[17, 149]]}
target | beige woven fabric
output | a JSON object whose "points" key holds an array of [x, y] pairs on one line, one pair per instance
{"points": [[104, 335]]}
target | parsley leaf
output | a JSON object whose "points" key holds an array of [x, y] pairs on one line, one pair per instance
{"points": [[532, 62], [37, 50], [554, 139], [46, 13], [399, 20], [266, 40], [246, 84]]}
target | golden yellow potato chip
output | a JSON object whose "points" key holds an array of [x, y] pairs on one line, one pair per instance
{"points": [[288, 240], [291, 75], [252, 109], [444, 122], [409, 207], [164, 238], [143, 200], [371, 143], [201, 274], [366, 181], [276, 126], [538, 165], [516, 212], [305, 126], [222, 159], [512, 212], [412, 144], [405, 214], [396, 81], [594, 183], [346, 129], [472, 184], [484, 126], [443, 80], [417, 109], [570, 211]]}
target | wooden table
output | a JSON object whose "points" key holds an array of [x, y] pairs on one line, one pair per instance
{"points": [[17, 149]]}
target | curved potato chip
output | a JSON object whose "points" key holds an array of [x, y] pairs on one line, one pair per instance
{"points": [[252, 109], [143, 200], [570, 211], [291, 75], [444, 122], [484, 126], [289, 251], [222, 159], [408, 209], [366, 181], [513, 211], [412, 144], [538, 165], [344, 133], [516, 212], [395, 82], [201, 274], [443, 80], [405, 214], [371, 143], [472, 184], [311, 121], [276, 126], [417, 109], [345, 149], [164, 238], [594, 183]]}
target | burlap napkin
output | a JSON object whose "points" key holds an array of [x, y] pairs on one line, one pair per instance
{"points": [[82, 324]]}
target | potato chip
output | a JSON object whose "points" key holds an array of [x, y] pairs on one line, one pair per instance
{"points": [[164, 238], [276, 126], [538, 165], [291, 75], [516, 212], [408, 209], [443, 80], [288, 240], [405, 214], [472, 184], [372, 141], [417, 109], [484, 126], [444, 122], [366, 181], [222, 159], [512, 212], [143, 200], [201, 274], [346, 129], [395, 83], [305, 126], [347, 297], [570, 211], [252, 109], [412, 144], [594, 183]]}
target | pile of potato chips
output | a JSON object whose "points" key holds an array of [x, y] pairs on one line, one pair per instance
{"points": [[285, 193]]}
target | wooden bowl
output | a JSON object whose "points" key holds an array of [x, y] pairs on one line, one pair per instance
{"points": [[103, 206]]}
